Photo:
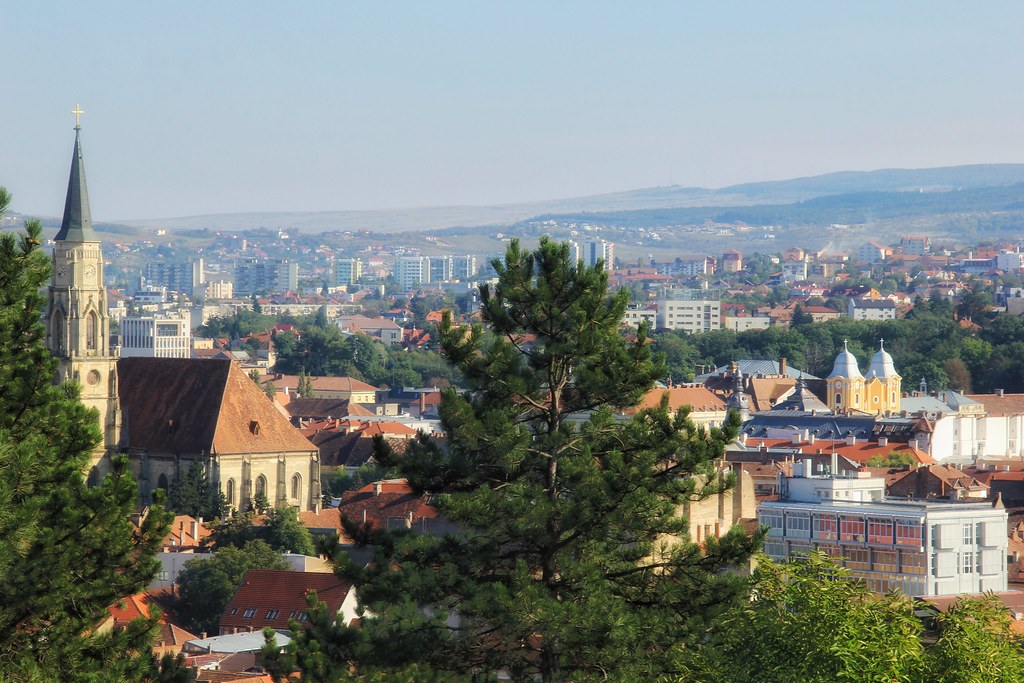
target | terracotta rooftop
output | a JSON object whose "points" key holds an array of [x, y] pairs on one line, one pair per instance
{"points": [[386, 504], [268, 599], [860, 452], [174, 405], [1000, 406], [326, 408], [291, 382], [698, 398]]}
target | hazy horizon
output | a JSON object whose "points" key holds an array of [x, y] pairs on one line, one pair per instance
{"points": [[196, 109]]}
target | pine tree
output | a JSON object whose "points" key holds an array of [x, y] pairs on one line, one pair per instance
{"points": [[574, 562], [305, 385], [67, 551]]}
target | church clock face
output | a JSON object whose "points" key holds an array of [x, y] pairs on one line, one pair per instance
{"points": [[90, 274]]}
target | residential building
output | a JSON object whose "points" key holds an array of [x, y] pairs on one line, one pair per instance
{"points": [[637, 313], [220, 289], [440, 268], [259, 276], [918, 246], [156, 336], [732, 261], [745, 322], [464, 267], [864, 309], [412, 271], [387, 331], [187, 278], [272, 599], [599, 250], [348, 271], [691, 310], [922, 548], [872, 252]]}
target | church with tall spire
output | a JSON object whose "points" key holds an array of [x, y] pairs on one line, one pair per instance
{"points": [[165, 414], [77, 320]]}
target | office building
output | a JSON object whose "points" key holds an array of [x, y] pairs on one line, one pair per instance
{"points": [[156, 336]]}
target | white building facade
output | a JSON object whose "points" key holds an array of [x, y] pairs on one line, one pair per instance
{"points": [[157, 336], [922, 548], [691, 310]]}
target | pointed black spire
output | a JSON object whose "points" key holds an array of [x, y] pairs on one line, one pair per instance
{"points": [[77, 223]]}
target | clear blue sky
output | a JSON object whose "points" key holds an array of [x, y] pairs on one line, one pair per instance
{"points": [[211, 107]]}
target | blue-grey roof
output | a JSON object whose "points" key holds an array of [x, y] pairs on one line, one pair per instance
{"points": [[756, 367], [928, 404], [238, 642], [76, 225], [955, 399]]}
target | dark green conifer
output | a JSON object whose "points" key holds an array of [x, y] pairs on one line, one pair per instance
{"points": [[566, 568]]}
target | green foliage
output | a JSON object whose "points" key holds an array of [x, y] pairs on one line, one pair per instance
{"points": [[241, 324], [892, 460], [305, 386], [564, 571], [812, 622], [192, 494], [67, 551], [205, 587], [280, 529]]}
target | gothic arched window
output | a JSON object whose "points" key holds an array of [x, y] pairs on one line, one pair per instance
{"points": [[161, 482], [90, 331], [261, 486], [229, 491], [296, 485]]}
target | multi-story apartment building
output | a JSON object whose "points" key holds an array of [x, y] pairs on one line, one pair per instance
{"points": [[866, 309], [440, 268], [921, 547], [637, 313], [258, 276], [348, 271], [186, 278], [599, 250], [412, 271], [732, 261], [156, 336], [691, 310], [464, 267]]}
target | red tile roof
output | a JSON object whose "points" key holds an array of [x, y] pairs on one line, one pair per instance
{"points": [[386, 504], [860, 452], [270, 598]]}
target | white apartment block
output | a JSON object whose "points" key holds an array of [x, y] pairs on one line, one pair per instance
{"points": [[221, 289], [637, 313], [924, 548], [599, 250], [744, 323], [156, 336], [866, 309], [412, 271], [464, 267], [691, 310]]}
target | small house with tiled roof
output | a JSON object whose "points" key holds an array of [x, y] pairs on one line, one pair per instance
{"points": [[271, 599], [392, 504], [179, 411]]}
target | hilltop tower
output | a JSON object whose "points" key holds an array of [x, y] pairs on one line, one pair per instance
{"points": [[77, 321]]}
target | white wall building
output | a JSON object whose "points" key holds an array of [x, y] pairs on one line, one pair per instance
{"points": [[599, 250], [412, 271], [923, 548], [157, 336], [691, 310]]}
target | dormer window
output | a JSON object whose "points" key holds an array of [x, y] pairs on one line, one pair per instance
{"points": [[254, 427]]}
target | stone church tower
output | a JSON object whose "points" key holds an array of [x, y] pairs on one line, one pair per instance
{"points": [[77, 321]]}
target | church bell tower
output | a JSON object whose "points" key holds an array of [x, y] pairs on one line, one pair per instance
{"points": [[77, 321]]}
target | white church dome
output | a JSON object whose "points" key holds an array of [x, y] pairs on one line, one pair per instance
{"points": [[882, 366], [846, 366]]}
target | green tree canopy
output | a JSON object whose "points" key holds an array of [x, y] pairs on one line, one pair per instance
{"points": [[67, 551], [205, 587], [565, 569]]}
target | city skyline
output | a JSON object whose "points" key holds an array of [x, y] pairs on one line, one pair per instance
{"points": [[197, 109]]}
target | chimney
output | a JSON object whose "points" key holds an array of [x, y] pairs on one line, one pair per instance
{"points": [[797, 438], [783, 366], [835, 463], [378, 488], [999, 393], [811, 438], [364, 515], [851, 440], [883, 441], [195, 529]]}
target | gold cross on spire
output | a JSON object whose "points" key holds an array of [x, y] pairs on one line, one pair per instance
{"points": [[77, 111]]}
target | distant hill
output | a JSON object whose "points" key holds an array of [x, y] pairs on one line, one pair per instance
{"points": [[856, 186]]}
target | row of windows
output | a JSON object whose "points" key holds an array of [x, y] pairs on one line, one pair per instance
{"points": [[879, 530], [261, 487], [250, 612], [855, 557]]}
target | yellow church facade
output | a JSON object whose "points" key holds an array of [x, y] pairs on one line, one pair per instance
{"points": [[877, 393]]}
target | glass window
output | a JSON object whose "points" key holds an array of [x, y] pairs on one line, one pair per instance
{"points": [[856, 558], [249, 613], [967, 563], [851, 528], [968, 534], [799, 524], [884, 561], [909, 532], [912, 562], [773, 520], [272, 614], [880, 531], [826, 526]]}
